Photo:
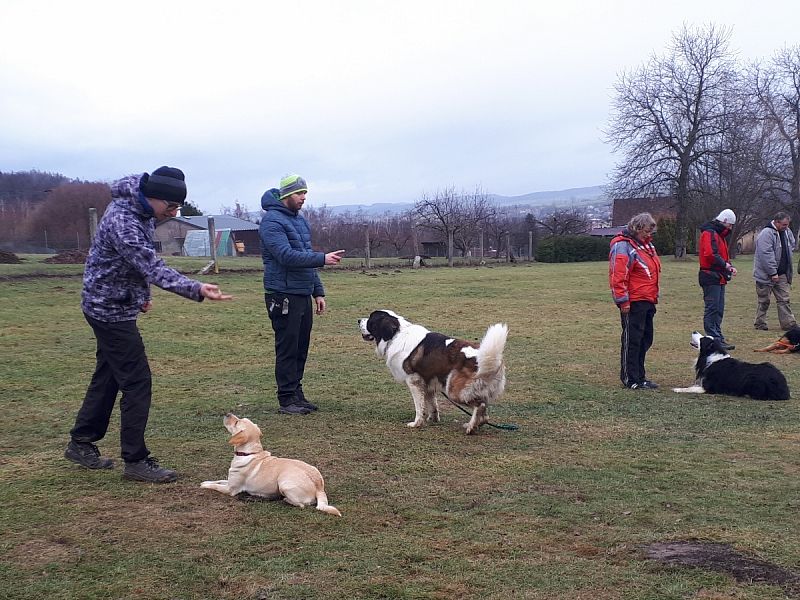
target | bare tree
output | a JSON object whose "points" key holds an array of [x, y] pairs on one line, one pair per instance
{"points": [[396, 230], [566, 221], [64, 214], [734, 178], [475, 210], [454, 215], [497, 227], [667, 114], [21, 193], [776, 88]]}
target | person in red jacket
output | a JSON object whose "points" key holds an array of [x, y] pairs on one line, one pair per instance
{"points": [[633, 275], [715, 271]]}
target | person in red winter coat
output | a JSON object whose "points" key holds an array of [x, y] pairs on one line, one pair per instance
{"points": [[634, 270], [715, 272]]}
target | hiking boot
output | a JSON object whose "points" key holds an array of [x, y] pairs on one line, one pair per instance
{"points": [[87, 455], [649, 385], [761, 327], [728, 347], [148, 470], [294, 409], [301, 400]]}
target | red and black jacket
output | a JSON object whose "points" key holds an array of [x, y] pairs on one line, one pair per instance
{"points": [[715, 266], [633, 270]]}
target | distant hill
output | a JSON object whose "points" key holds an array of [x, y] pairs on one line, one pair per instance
{"points": [[577, 195], [567, 197]]}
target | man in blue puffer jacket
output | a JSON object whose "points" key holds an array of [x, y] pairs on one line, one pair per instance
{"points": [[291, 281], [121, 265]]}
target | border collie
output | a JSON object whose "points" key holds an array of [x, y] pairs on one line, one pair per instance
{"points": [[718, 373], [468, 374]]}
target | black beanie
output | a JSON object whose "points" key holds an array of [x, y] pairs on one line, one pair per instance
{"points": [[166, 183]]}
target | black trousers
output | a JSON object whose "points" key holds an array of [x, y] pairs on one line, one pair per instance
{"points": [[121, 366], [637, 337], [292, 317]]}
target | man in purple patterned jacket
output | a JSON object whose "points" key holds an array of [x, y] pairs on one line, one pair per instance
{"points": [[121, 265]]}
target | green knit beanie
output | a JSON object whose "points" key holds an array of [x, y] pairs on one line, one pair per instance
{"points": [[291, 184]]}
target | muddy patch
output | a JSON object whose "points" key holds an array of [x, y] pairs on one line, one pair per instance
{"points": [[9, 258], [68, 257], [36, 553], [724, 559]]}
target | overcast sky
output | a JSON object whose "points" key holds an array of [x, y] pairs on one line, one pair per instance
{"points": [[371, 100]]}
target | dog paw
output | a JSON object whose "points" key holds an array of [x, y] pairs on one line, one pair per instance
{"points": [[415, 424]]}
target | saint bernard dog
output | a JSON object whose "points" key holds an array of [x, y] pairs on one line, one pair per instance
{"points": [[718, 373], [788, 343], [468, 374]]}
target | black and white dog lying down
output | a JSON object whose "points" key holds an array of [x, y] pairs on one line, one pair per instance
{"points": [[718, 373]]}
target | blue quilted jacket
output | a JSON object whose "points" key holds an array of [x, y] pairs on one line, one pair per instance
{"points": [[290, 264], [122, 261]]}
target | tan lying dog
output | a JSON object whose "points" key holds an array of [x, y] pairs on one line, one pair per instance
{"points": [[255, 471]]}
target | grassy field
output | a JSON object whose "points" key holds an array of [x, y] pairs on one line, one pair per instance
{"points": [[560, 509]]}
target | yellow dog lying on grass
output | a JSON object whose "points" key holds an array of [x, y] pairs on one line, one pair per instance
{"points": [[258, 473]]}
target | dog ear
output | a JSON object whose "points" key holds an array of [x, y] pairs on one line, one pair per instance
{"points": [[388, 328], [384, 326], [238, 439]]}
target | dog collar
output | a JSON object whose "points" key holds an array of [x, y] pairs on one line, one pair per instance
{"points": [[244, 453]]}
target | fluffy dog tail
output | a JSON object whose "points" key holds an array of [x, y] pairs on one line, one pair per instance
{"points": [[490, 352], [322, 504]]}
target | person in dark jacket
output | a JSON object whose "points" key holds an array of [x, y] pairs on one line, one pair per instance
{"points": [[291, 283], [715, 271], [121, 265], [772, 270], [634, 270]]}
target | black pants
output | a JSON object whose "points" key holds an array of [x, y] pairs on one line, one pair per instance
{"points": [[121, 366], [292, 317], [637, 337]]}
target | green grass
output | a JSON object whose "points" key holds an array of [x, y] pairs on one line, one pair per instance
{"points": [[558, 509]]}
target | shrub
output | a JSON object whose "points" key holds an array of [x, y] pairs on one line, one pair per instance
{"points": [[664, 239], [572, 248]]}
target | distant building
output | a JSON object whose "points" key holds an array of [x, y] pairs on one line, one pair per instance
{"points": [[661, 207], [622, 209], [171, 234], [432, 248]]}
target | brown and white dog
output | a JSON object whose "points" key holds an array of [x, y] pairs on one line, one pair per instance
{"points": [[468, 374], [258, 473], [789, 342]]}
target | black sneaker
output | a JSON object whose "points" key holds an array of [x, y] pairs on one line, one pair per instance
{"points": [[649, 385], [87, 455], [634, 386], [148, 470], [727, 347], [761, 327], [294, 409], [301, 400]]}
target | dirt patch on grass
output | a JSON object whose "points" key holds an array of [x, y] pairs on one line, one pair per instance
{"points": [[69, 257], [724, 559], [36, 553], [9, 258], [184, 515]]}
